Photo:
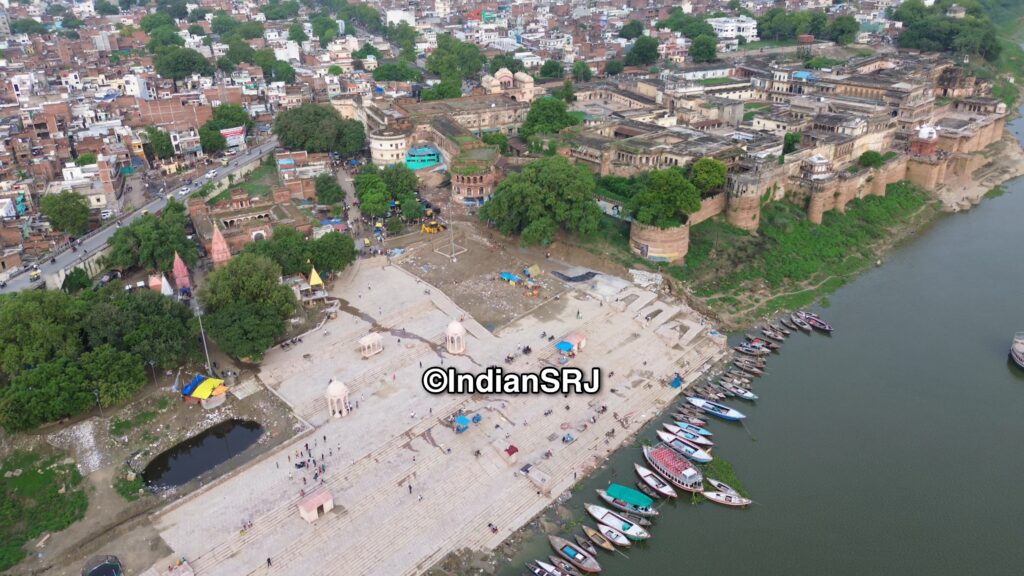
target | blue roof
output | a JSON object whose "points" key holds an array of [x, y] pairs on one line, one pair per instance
{"points": [[462, 421], [803, 75], [564, 346]]}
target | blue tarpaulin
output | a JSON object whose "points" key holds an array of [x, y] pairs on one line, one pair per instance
{"points": [[461, 424], [508, 277], [677, 382], [191, 386], [564, 346]]}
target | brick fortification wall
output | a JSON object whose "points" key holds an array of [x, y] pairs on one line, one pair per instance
{"points": [[657, 244]]}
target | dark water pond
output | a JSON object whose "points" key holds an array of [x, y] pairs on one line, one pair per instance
{"points": [[201, 453]]}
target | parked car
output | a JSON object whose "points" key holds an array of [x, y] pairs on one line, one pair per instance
{"points": [[212, 174], [183, 191], [104, 214]]}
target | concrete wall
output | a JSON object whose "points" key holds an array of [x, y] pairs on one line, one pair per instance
{"points": [[657, 244], [91, 264]]}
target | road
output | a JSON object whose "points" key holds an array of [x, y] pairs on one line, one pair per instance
{"points": [[98, 239]]}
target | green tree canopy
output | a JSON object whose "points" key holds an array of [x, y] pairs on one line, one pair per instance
{"points": [[449, 87], [149, 325], [229, 115], [843, 30], [546, 116], [335, 70], [160, 142], [277, 10], [665, 200], [689, 26], [551, 69], [150, 242], [455, 58], [76, 281], [85, 159], [632, 29], [67, 212], [400, 180], [317, 128], [41, 325], [643, 53], [367, 50], [164, 37], [102, 7], [613, 67], [708, 175], [508, 61], [498, 139], [180, 63], [871, 159], [30, 26], [396, 72], [296, 33], [196, 30], [546, 195], [703, 48], [151, 22], [211, 141], [581, 72], [327, 190], [374, 198]]}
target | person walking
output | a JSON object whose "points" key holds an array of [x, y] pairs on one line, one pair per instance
{"points": [[269, 563]]}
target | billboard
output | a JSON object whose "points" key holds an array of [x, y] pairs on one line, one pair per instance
{"points": [[234, 136]]}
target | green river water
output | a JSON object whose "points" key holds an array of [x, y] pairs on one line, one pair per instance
{"points": [[887, 448]]}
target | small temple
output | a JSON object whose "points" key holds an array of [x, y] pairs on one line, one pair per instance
{"points": [[180, 274]]}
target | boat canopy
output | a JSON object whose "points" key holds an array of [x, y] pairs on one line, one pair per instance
{"points": [[629, 495]]}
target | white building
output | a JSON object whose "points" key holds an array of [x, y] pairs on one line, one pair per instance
{"points": [[732, 28], [529, 59], [138, 87], [396, 16]]}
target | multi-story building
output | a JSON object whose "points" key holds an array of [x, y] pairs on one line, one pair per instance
{"points": [[731, 28]]}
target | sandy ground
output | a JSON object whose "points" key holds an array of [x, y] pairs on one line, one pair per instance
{"points": [[407, 489], [1001, 161]]}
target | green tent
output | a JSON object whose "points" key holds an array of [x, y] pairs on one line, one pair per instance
{"points": [[629, 495]]}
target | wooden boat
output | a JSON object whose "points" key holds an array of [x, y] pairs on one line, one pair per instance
{"points": [[753, 371], [726, 499], [722, 486], [799, 323], [773, 335], [549, 569], [688, 418], [586, 544], [535, 569], [761, 342], [787, 323], [564, 566], [751, 350], [744, 394], [694, 428], [819, 325], [1017, 349], [723, 390], [638, 520], [679, 471], [615, 536], [709, 393], [690, 437], [647, 490], [655, 482], [631, 530], [691, 451], [626, 506], [715, 409], [736, 379], [780, 329], [599, 539], [574, 554]]}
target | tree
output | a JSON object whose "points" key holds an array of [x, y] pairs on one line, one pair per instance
{"points": [[546, 195], [373, 195], [104, 8], [581, 72], [399, 180], [29, 26], [150, 242], [632, 29], [790, 142], [665, 200], [843, 30], [149, 325], [335, 70], [164, 37], [222, 23], [613, 67], [507, 61], [397, 72], [546, 116], [410, 207], [211, 140], [239, 51], [283, 72], [296, 33], [85, 159], [455, 58], [48, 325], [317, 128], [180, 63], [67, 212], [708, 175], [249, 30], [275, 10], [643, 53], [449, 87], [196, 30], [48, 392], [71, 23], [703, 48], [327, 190], [496, 139], [151, 22], [565, 92], [367, 50], [229, 115], [116, 375], [333, 252], [551, 69], [160, 142], [76, 281], [225, 65], [245, 331], [687, 25], [871, 159]]}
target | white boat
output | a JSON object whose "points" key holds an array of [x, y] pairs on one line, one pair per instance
{"points": [[688, 436], [626, 506], [613, 535], [722, 486], [695, 428], [675, 468], [612, 520], [739, 391], [1017, 349], [727, 499], [655, 482], [685, 448], [716, 409]]}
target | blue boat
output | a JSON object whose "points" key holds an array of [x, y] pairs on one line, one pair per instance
{"points": [[716, 409], [693, 428]]}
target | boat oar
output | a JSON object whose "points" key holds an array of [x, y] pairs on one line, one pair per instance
{"points": [[747, 430], [622, 553]]}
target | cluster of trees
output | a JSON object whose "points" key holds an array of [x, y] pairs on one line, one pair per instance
{"points": [[150, 241], [404, 36], [376, 189], [66, 211], [246, 305], [399, 71], [236, 35], [27, 26], [498, 139], [687, 25], [506, 61], [159, 142], [224, 116], [367, 50], [644, 52], [453, 61], [328, 191], [178, 63], [551, 69], [546, 116], [632, 29], [103, 8], [162, 31], [664, 198], [330, 253], [547, 195], [276, 10], [779, 24], [928, 28], [704, 48], [613, 67], [63, 354], [315, 128], [581, 72]]}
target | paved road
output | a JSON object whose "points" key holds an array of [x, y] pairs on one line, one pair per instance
{"points": [[98, 239]]}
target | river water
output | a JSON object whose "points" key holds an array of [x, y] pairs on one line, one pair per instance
{"points": [[887, 448]]}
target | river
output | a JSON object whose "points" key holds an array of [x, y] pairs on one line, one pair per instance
{"points": [[887, 448]]}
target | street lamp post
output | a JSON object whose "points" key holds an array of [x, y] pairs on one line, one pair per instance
{"points": [[99, 405], [202, 333], [152, 369]]}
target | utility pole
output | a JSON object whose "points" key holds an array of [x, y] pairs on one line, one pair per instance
{"points": [[202, 332]]}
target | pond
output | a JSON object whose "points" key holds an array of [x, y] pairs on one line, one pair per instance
{"points": [[201, 453]]}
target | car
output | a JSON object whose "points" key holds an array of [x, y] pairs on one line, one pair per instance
{"points": [[212, 174], [183, 191], [231, 152], [104, 214]]}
